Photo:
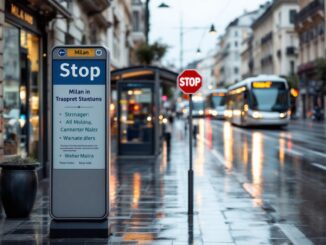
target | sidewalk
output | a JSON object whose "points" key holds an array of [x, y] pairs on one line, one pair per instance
{"points": [[149, 205]]}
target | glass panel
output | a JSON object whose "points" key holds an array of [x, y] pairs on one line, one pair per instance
{"points": [[30, 43], [198, 105], [12, 122], [274, 98], [136, 117], [218, 101], [21, 92]]}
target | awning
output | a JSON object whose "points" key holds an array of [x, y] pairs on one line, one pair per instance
{"points": [[63, 11], [50, 8]]}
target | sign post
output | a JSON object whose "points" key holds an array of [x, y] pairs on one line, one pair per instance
{"points": [[80, 142], [190, 81]]}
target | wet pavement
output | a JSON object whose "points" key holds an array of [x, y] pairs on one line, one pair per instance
{"points": [[252, 186], [283, 170]]}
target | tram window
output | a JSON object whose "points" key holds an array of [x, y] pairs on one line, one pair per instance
{"points": [[273, 98], [218, 101]]}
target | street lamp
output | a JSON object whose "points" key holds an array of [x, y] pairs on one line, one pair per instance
{"points": [[212, 30], [162, 5]]}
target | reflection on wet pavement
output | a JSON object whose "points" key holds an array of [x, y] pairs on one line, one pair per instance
{"points": [[276, 169], [250, 188]]}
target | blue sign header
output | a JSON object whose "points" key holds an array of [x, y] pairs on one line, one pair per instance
{"points": [[67, 72]]}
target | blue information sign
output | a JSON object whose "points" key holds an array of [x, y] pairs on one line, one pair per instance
{"points": [[80, 133]]}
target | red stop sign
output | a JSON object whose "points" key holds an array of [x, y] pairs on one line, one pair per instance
{"points": [[190, 81]]}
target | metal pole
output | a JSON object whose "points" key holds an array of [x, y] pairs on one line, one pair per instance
{"points": [[147, 21], [181, 40], [190, 171]]}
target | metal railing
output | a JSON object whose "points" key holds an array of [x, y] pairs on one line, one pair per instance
{"points": [[311, 9]]}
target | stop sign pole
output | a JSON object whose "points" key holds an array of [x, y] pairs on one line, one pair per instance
{"points": [[190, 81], [190, 170]]}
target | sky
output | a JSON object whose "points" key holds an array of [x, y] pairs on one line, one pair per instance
{"points": [[165, 25]]}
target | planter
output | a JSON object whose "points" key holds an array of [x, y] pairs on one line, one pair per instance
{"points": [[18, 188]]}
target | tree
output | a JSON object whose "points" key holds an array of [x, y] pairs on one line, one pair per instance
{"points": [[293, 81], [147, 54]]}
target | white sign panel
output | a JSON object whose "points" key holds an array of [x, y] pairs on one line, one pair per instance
{"points": [[79, 116]]}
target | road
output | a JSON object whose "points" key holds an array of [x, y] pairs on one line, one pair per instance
{"points": [[284, 170]]}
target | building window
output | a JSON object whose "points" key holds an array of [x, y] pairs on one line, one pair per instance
{"points": [[235, 44], [321, 28], [236, 70], [69, 39], [116, 38], [280, 18], [292, 15], [21, 92], [236, 33], [135, 22]]}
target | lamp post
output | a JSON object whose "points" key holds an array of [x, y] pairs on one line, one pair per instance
{"points": [[212, 31]]}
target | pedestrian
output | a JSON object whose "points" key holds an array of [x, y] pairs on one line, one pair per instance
{"points": [[195, 131], [168, 133]]}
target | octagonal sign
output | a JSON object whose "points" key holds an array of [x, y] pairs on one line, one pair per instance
{"points": [[190, 81]]}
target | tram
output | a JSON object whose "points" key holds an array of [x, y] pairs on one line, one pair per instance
{"points": [[215, 104], [260, 100]]}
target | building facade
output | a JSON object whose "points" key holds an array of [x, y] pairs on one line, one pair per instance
{"points": [[119, 34], [138, 28], [310, 26], [206, 69], [231, 45], [275, 42], [218, 68], [28, 31], [24, 74]]}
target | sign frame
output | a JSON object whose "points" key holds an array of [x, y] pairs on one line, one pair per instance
{"points": [[107, 145]]}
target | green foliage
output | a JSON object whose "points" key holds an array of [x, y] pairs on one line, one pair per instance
{"points": [[293, 81], [148, 53], [321, 69]]}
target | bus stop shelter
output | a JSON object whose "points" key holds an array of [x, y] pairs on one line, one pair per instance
{"points": [[139, 108]]}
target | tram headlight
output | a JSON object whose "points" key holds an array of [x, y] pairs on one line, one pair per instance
{"points": [[214, 113], [201, 112], [283, 115], [227, 114], [256, 115]]}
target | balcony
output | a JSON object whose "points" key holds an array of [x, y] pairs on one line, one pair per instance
{"points": [[314, 10], [267, 60], [93, 7], [225, 53], [265, 39]]}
